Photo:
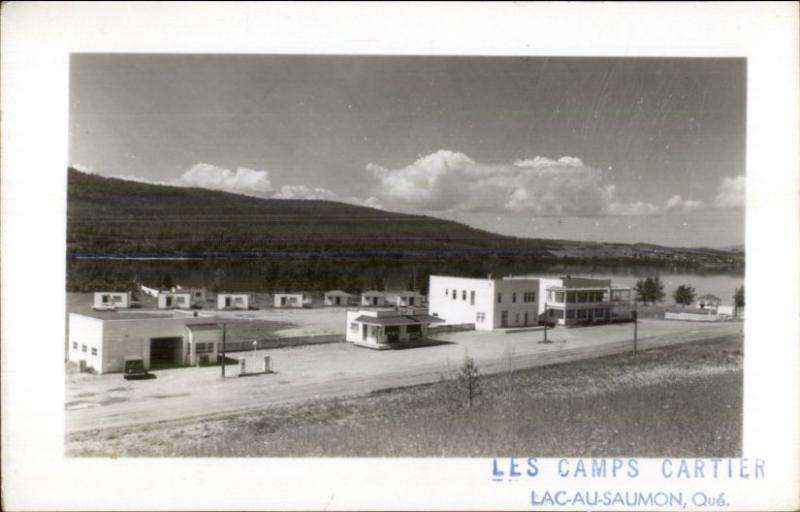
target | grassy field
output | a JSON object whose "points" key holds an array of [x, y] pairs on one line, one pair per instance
{"points": [[679, 401]]}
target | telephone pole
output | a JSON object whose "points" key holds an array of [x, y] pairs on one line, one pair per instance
{"points": [[635, 330], [223, 350], [545, 322]]}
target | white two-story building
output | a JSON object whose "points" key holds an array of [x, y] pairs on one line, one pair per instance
{"points": [[521, 301]]}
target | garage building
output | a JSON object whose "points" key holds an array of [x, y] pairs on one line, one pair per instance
{"points": [[104, 342]]}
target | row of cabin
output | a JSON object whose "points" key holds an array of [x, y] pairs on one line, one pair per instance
{"points": [[187, 298]]}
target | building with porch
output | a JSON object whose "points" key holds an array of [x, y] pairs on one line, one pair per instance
{"points": [[520, 301], [103, 342], [583, 301], [388, 328]]}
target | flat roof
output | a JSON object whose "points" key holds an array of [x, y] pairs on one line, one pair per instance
{"points": [[203, 327], [397, 320], [124, 315]]}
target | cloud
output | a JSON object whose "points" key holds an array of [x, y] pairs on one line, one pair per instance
{"points": [[637, 208], [85, 169], [731, 193], [452, 181], [676, 204], [242, 181], [304, 192]]}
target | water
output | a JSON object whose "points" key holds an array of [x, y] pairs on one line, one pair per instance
{"points": [[296, 274]]}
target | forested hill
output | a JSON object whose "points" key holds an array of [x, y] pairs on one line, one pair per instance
{"points": [[119, 218]]}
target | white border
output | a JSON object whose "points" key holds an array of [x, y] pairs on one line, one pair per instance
{"points": [[36, 41]]}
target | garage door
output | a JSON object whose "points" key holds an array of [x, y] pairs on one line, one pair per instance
{"points": [[165, 352]]}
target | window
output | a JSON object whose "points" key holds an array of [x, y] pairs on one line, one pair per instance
{"points": [[83, 348], [499, 298], [354, 327], [571, 297], [529, 297], [446, 292], [75, 345], [472, 298], [514, 297], [480, 317], [464, 295], [204, 348], [94, 351], [179, 299], [516, 318], [455, 294], [105, 299], [560, 297], [571, 314], [116, 299], [600, 313], [581, 313]]}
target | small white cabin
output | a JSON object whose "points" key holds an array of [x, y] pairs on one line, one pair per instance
{"points": [[407, 299], [198, 295], [174, 300], [111, 300], [338, 298], [707, 301], [233, 301], [292, 300], [373, 298]]}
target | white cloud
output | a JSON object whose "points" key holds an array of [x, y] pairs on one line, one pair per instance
{"points": [[731, 193], [304, 192], [83, 168], [637, 208], [242, 181], [677, 204], [451, 181], [139, 179]]}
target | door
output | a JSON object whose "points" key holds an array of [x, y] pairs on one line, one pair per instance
{"points": [[338, 300], [283, 301], [504, 319], [169, 301], [526, 319], [363, 332], [227, 302]]}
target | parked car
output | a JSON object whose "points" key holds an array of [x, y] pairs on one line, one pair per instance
{"points": [[133, 368], [109, 307]]}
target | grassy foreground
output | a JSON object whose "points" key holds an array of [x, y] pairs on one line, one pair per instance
{"points": [[678, 402]]}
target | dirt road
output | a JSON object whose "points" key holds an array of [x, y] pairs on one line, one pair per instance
{"points": [[340, 369]]}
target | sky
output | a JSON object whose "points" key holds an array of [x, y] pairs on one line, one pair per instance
{"points": [[597, 149]]}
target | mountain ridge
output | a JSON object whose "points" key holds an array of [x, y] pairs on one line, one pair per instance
{"points": [[113, 217]]}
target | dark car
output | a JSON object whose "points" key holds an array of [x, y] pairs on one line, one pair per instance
{"points": [[133, 368]]}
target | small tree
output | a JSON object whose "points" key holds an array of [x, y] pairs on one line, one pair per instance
{"points": [[684, 295], [219, 278], [738, 297], [469, 380], [650, 289]]}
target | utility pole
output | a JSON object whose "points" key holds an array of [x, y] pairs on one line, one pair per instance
{"points": [[635, 330], [223, 350]]}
